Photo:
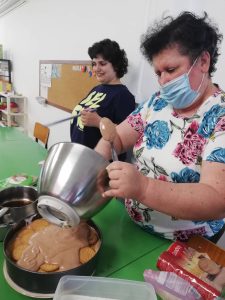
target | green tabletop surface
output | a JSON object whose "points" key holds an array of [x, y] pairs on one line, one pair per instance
{"points": [[19, 153], [123, 240], [11, 134], [126, 250], [135, 269]]}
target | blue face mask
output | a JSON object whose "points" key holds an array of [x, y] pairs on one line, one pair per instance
{"points": [[178, 91]]}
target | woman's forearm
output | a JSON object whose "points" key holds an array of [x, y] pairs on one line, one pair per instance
{"points": [[103, 148], [189, 201]]}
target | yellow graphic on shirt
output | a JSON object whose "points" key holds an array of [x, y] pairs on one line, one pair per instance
{"points": [[92, 101]]}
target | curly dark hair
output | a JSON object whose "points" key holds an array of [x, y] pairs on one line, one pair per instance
{"points": [[110, 51], [191, 33]]}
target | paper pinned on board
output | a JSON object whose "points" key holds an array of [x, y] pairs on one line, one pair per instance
{"points": [[45, 75]]}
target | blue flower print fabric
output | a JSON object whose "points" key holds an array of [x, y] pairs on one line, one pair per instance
{"points": [[172, 148]]}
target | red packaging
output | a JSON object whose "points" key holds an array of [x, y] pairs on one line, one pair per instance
{"points": [[179, 265]]}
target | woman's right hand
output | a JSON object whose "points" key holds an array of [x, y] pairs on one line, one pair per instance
{"points": [[125, 181]]}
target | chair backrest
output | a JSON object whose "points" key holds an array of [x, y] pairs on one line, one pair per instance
{"points": [[41, 133]]}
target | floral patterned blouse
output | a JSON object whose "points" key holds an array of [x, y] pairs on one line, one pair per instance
{"points": [[171, 148]]}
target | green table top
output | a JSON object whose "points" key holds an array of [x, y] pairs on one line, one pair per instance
{"points": [[126, 250], [135, 269], [9, 134], [19, 153]]}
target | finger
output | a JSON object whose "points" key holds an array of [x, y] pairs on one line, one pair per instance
{"points": [[83, 119], [109, 193], [88, 109], [114, 166], [115, 175], [83, 112], [114, 183]]}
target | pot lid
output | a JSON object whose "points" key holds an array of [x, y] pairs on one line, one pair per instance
{"points": [[56, 211]]}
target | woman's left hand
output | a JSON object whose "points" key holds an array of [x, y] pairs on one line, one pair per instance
{"points": [[91, 119], [125, 181]]}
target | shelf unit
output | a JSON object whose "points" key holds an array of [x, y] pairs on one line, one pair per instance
{"points": [[5, 70], [14, 119]]}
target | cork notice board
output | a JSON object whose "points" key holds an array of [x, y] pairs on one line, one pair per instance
{"points": [[65, 83]]}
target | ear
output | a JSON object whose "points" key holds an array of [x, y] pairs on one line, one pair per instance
{"points": [[205, 61]]}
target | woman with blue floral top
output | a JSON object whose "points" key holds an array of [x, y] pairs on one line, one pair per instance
{"points": [[176, 187]]}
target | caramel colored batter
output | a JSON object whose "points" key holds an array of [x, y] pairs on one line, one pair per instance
{"points": [[55, 245]]}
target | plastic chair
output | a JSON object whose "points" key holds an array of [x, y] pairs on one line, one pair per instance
{"points": [[41, 133]]}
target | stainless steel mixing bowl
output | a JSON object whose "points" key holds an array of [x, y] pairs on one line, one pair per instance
{"points": [[70, 184]]}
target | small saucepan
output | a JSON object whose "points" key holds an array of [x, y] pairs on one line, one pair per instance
{"points": [[17, 203]]}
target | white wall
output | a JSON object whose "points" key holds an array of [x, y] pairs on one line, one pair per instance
{"points": [[64, 29]]}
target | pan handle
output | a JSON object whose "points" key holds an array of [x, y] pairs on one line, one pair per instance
{"points": [[69, 118]]}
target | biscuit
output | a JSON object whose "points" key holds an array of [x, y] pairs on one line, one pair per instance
{"points": [[39, 224], [49, 267], [25, 231], [16, 243], [209, 266], [18, 251], [40, 271], [86, 253], [26, 236], [22, 237]]}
